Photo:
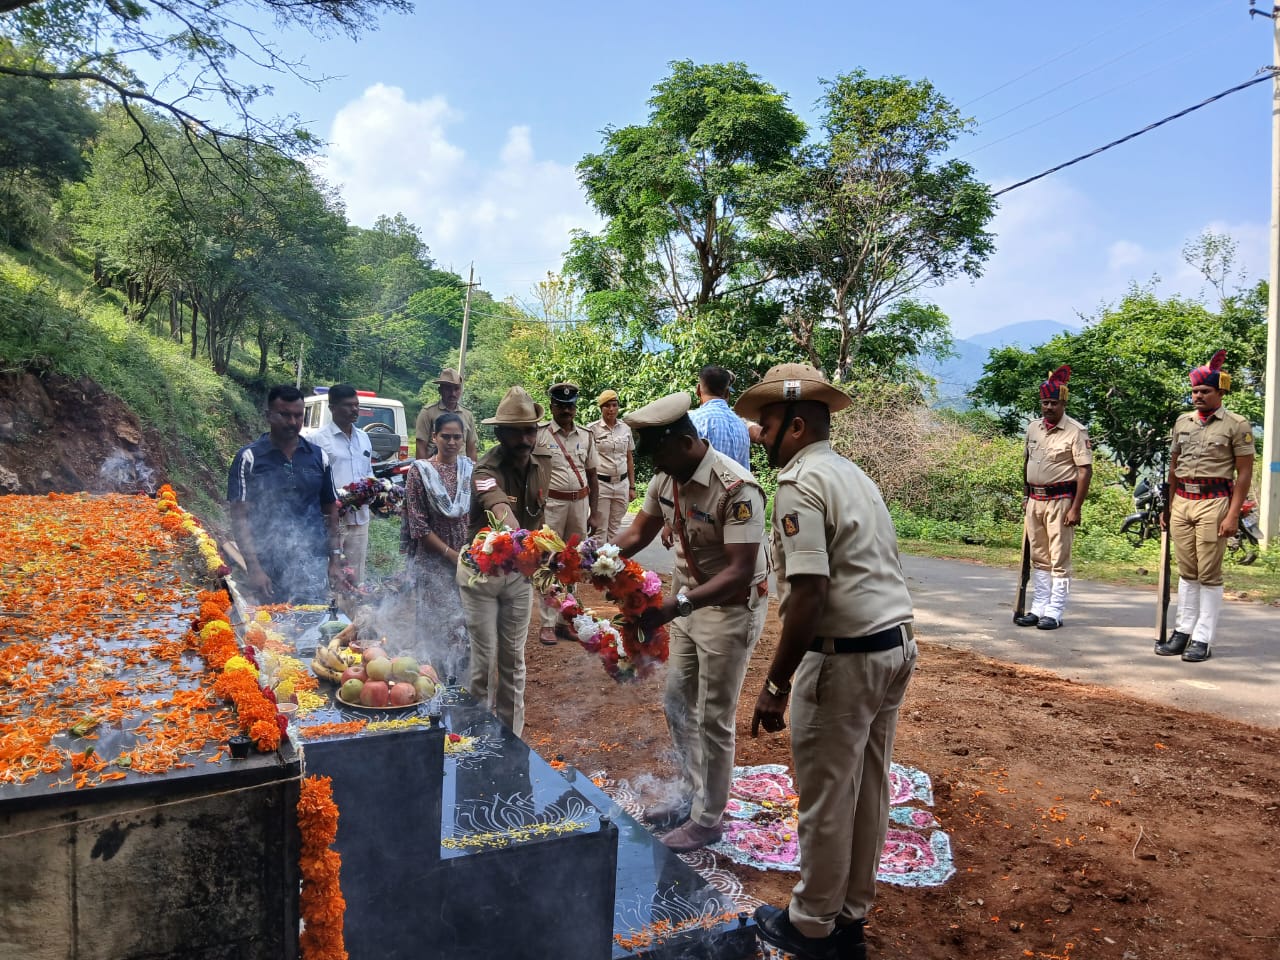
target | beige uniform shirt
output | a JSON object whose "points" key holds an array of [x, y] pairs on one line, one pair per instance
{"points": [[612, 445], [721, 503], [1053, 454], [830, 521], [496, 481], [579, 444], [1210, 449], [424, 426]]}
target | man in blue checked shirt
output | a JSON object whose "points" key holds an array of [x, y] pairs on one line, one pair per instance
{"points": [[713, 419]]}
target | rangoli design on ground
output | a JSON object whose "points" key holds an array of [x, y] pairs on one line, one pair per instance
{"points": [[760, 829]]}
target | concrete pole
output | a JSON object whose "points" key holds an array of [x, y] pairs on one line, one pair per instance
{"points": [[466, 316], [1269, 495]]}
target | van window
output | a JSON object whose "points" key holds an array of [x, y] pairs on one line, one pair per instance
{"points": [[370, 415]]}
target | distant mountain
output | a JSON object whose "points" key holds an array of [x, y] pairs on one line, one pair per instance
{"points": [[957, 375]]}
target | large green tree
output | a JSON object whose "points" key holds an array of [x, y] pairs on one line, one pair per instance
{"points": [[676, 190], [1129, 370], [873, 212]]}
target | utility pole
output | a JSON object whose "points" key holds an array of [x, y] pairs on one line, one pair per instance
{"points": [[466, 316], [298, 381], [1269, 495]]}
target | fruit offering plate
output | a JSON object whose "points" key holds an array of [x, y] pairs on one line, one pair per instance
{"points": [[405, 708]]}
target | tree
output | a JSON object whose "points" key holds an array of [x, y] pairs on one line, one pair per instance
{"points": [[80, 41], [1129, 371], [873, 213], [45, 130], [676, 190]]}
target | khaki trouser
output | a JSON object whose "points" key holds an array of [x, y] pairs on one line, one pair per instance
{"points": [[497, 612], [1050, 536], [709, 651], [844, 712], [565, 517], [355, 544], [613, 503], [1193, 528]]}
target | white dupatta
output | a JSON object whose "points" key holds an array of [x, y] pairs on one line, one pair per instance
{"points": [[460, 503]]}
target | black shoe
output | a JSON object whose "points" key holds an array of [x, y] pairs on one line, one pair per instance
{"points": [[669, 813], [1198, 652], [1048, 623], [851, 943], [774, 927], [1026, 620], [1173, 646]]}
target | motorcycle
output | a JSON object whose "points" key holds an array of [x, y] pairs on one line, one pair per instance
{"points": [[1242, 548], [1144, 523]]}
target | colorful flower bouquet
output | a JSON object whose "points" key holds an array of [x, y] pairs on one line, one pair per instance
{"points": [[554, 566], [381, 496]]}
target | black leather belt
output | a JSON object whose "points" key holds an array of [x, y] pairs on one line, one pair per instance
{"points": [[603, 479], [873, 643]]}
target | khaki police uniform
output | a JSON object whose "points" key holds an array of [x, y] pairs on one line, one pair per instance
{"points": [[1204, 478], [498, 609], [1054, 452], [709, 650], [424, 426], [829, 520], [612, 446], [568, 504]]}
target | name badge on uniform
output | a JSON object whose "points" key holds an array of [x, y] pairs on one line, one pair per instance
{"points": [[665, 502], [701, 515]]}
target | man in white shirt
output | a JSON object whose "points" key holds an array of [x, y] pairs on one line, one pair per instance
{"points": [[351, 454]]}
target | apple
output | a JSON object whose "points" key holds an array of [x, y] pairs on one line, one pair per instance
{"points": [[425, 688], [374, 694], [355, 672], [430, 671], [351, 690], [404, 669], [379, 669], [373, 653], [402, 694]]}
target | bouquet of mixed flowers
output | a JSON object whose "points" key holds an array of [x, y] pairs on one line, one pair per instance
{"points": [[554, 566], [381, 496]]}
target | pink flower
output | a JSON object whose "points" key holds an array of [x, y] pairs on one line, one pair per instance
{"points": [[652, 584]]}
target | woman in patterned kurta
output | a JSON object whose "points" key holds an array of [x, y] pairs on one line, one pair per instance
{"points": [[436, 511]]}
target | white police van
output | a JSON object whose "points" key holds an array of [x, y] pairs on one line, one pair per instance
{"points": [[380, 417]]}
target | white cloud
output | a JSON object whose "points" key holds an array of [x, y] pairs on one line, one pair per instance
{"points": [[1056, 260], [510, 213]]}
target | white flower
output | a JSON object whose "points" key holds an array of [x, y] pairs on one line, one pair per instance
{"points": [[584, 625], [609, 562]]}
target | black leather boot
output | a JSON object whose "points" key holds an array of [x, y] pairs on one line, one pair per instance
{"points": [[1174, 645]]}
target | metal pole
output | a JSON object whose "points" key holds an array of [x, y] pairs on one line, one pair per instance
{"points": [[466, 316], [1269, 495], [298, 381]]}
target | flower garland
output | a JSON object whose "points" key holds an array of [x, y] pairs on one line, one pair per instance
{"points": [[554, 566], [322, 904], [182, 524], [381, 496]]}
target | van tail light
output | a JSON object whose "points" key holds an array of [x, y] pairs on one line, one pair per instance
{"points": [[404, 451]]}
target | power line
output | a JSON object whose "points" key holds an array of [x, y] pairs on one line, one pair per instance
{"points": [[1137, 133]]}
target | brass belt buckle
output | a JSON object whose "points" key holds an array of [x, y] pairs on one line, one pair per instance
{"points": [[1039, 491], [1191, 487]]}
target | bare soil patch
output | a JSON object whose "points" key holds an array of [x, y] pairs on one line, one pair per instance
{"points": [[1084, 823]]}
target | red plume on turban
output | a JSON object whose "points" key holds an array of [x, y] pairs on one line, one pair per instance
{"points": [[1055, 387], [1212, 374]]}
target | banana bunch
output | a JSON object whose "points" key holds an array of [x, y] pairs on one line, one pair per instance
{"points": [[331, 659]]}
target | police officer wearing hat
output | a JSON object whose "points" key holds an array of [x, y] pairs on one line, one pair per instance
{"points": [[572, 500], [449, 384], [1210, 469], [510, 481], [716, 609], [617, 477], [844, 659], [1057, 468]]}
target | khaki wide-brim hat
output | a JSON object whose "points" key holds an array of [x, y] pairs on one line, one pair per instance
{"points": [[789, 382], [517, 409], [449, 375]]}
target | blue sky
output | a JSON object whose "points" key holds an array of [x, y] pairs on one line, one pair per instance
{"points": [[469, 119]]}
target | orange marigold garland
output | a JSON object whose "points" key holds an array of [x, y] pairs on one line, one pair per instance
{"points": [[322, 903]]}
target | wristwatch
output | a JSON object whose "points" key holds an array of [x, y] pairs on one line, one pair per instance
{"points": [[684, 606], [776, 690], [335, 553]]}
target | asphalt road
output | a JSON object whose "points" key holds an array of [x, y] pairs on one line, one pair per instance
{"points": [[1106, 638]]}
